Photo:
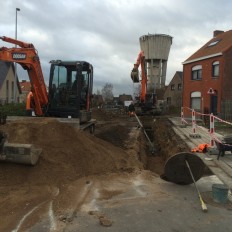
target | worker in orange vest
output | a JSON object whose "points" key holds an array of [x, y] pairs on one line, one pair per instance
{"points": [[202, 148], [30, 104]]}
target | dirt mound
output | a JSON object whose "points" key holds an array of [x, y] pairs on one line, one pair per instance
{"points": [[68, 154]]}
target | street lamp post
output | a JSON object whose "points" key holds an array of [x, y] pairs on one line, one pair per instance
{"points": [[15, 77]]}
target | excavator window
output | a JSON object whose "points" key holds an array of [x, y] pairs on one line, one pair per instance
{"points": [[74, 82], [70, 87]]}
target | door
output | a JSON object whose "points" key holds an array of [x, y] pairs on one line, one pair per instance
{"points": [[213, 104]]}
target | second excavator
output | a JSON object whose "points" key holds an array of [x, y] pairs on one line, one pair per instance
{"points": [[147, 102]]}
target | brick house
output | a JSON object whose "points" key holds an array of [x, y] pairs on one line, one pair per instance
{"points": [[25, 89], [7, 83], [207, 81], [124, 97], [173, 92], [97, 100]]}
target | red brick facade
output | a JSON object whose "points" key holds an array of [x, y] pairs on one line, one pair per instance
{"points": [[221, 84]]}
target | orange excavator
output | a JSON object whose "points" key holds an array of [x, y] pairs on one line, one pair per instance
{"points": [[147, 101], [70, 85], [135, 75]]}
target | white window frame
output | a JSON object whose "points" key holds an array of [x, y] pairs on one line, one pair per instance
{"points": [[215, 69], [196, 72], [195, 100]]}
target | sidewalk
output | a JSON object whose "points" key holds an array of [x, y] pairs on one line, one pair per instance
{"points": [[222, 168]]}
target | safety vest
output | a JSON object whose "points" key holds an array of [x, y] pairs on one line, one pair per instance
{"points": [[202, 148]]}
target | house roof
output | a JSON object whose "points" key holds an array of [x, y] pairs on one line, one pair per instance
{"points": [[124, 97], [180, 74], [25, 86], [214, 47], [4, 69]]}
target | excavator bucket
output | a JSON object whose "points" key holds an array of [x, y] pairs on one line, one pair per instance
{"points": [[135, 75], [18, 153]]}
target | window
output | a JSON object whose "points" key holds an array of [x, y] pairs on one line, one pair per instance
{"points": [[7, 91], [179, 86], [12, 90], [213, 43], [60, 77], [197, 72], [168, 101], [215, 69], [196, 100], [172, 87]]}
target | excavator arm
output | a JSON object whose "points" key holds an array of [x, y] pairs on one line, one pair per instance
{"points": [[135, 75], [17, 42], [28, 58]]}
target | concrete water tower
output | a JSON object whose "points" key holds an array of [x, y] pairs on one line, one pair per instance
{"points": [[156, 50]]}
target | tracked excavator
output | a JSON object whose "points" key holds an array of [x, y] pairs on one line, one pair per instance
{"points": [[68, 97], [147, 102]]}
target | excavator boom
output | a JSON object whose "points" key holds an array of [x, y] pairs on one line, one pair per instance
{"points": [[135, 75], [28, 58], [147, 102], [16, 42]]}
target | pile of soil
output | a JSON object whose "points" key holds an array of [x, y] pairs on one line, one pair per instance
{"points": [[68, 154]]}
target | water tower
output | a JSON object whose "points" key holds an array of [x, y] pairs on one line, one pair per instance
{"points": [[156, 50]]}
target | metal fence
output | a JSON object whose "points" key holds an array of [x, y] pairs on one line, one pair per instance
{"points": [[226, 110]]}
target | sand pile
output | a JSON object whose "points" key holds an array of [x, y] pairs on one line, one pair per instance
{"points": [[68, 154]]}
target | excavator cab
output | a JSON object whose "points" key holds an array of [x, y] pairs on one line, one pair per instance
{"points": [[70, 89]]}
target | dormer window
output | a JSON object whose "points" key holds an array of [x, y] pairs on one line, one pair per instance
{"points": [[213, 43]]}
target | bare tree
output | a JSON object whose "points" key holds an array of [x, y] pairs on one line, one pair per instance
{"points": [[107, 92], [98, 92]]}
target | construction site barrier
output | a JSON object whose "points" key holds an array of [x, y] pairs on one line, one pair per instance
{"points": [[194, 121], [212, 136]]}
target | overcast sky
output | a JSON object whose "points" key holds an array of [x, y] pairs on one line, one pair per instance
{"points": [[106, 32]]}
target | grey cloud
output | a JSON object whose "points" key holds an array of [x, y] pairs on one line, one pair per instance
{"points": [[106, 32]]}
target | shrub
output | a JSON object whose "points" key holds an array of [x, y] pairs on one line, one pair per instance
{"points": [[13, 109]]}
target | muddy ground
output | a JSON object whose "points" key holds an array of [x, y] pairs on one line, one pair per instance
{"points": [[72, 161]]}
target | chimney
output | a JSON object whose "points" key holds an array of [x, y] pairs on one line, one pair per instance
{"points": [[217, 32]]}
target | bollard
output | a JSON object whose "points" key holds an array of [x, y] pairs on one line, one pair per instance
{"points": [[211, 130], [182, 116], [194, 122], [194, 134]]}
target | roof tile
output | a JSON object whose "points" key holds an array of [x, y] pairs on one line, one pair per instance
{"points": [[219, 44]]}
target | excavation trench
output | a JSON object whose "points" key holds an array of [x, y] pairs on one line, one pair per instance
{"points": [[165, 143], [127, 134], [169, 153]]}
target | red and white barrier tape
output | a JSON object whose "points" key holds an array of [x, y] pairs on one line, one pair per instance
{"points": [[220, 120], [219, 141], [212, 120]]}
